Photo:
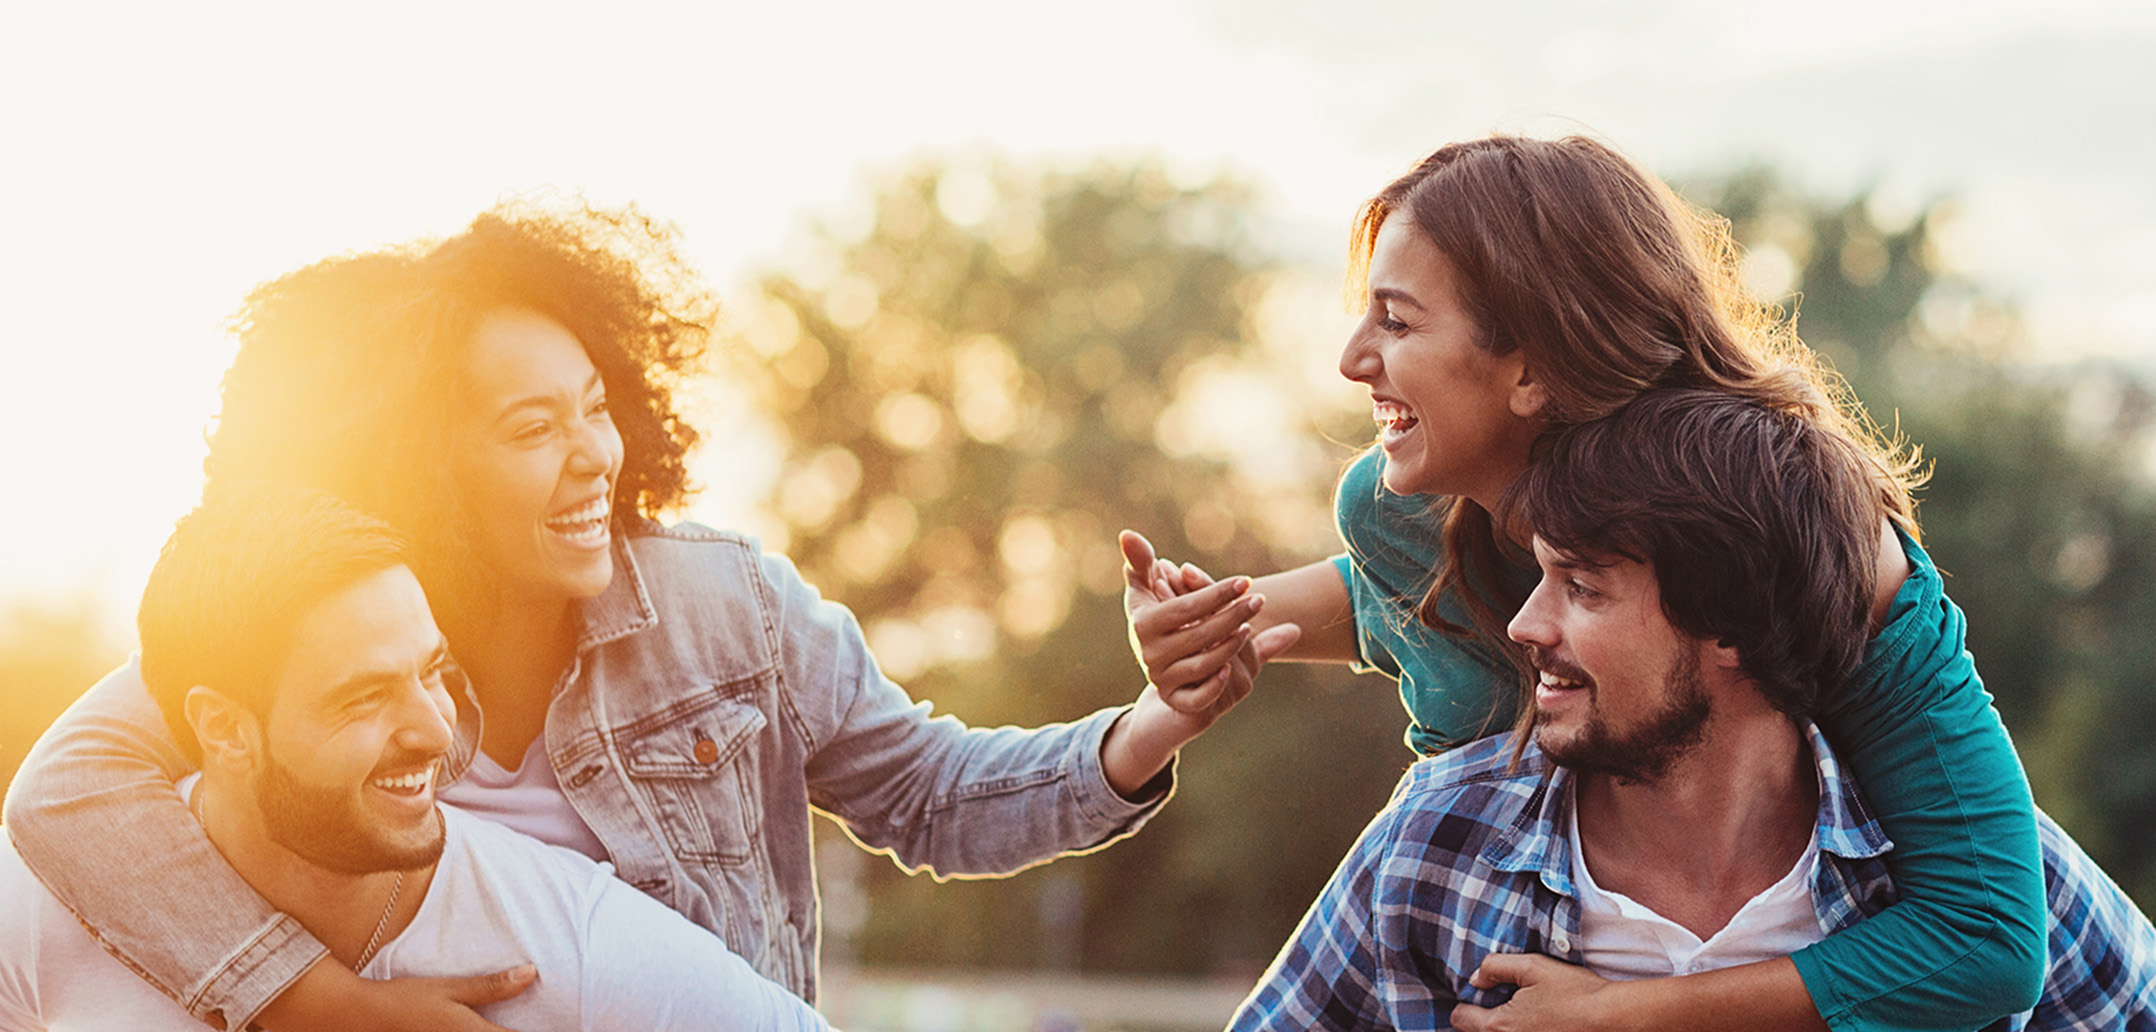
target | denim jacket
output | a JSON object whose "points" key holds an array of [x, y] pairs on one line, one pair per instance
{"points": [[714, 699]]}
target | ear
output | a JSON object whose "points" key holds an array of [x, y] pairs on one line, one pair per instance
{"points": [[1528, 398], [1721, 655], [229, 732]]}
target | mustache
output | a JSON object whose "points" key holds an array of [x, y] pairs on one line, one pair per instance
{"points": [[404, 762], [1547, 662]]}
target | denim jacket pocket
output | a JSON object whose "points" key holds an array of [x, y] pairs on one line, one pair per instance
{"points": [[692, 768]]}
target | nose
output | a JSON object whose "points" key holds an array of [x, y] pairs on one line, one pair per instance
{"points": [[1359, 359], [1532, 625], [596, 449], [426, 720]]}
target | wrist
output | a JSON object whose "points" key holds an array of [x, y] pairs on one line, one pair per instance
{"points": [[1133, 753]]}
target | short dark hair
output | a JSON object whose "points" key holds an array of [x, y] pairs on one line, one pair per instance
{"points": [[233, 582], [1761, 524]]}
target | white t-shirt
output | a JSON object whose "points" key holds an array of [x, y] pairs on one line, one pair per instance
{"points": [[1622, 939], [528, 799], [609, 957]]}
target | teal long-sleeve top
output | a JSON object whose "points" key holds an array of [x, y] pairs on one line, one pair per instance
{"points": [[1965, 944]]}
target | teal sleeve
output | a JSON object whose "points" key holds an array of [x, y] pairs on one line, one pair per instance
{"points": [[1965, 945]]}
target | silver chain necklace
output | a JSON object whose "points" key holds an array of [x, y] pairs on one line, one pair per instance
{"points": [[374, 942]]}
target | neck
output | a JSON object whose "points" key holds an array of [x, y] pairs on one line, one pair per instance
{"points": [[343, 911], [514, 653], [1727, 821]]}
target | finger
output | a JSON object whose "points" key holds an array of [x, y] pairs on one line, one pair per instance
{"points": [[1160, 652], [1194, 578], [1183, 610], [1138, 558], [1274, 640], [1504, 969], [1198, 699], [480, 990], [1467, 1017], [1197, 671]]}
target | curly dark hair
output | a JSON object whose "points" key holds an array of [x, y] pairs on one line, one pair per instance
{"points": [[347, 369]]}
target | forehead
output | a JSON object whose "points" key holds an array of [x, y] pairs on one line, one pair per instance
{"points": [[1606, 566], [1403, 257], [376, 627], [516, 352]]}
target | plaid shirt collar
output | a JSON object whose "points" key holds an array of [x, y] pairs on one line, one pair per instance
{"points": [[1536, 842]]}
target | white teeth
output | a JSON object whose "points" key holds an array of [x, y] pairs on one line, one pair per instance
{"points": [[1391, 414], [406, 782], [586, 513], [1550, 680]]}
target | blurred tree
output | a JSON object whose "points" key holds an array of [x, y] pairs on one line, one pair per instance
{"points": [[2040, 505], [49, 655], [980, 388]]}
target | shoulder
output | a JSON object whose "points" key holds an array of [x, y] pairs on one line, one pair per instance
{"points": [[1450, 808], [687, 554], [479, 852], [1381, 527]]}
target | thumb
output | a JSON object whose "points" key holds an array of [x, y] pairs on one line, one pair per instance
{"points": [[1275, 640], [480, 990], [1137, 558]]}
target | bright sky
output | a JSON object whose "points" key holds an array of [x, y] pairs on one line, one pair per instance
{"points": [[160, 159]]}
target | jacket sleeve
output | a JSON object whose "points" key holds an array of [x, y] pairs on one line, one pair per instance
{"points": [[94, 816], [932, 792], [1966, 943]]}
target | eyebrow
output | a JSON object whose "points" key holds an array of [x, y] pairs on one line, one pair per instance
{"points": [[1394, 294], [366, 680], [541, 400]]}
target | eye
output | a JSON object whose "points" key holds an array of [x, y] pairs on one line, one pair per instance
{"points": [[532, 431], [1386, 322], [599, 407], [1580, 592]]}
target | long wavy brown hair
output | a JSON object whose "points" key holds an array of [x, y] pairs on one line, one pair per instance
{"points": [[1613, 287]]}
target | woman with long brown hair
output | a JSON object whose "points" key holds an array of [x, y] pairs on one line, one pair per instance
{"points": [[1514, 287]]}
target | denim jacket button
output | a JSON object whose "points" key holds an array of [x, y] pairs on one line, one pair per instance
{"points": [[706, 751]]}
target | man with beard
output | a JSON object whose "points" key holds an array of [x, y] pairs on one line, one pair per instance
{"points": [[1666, 807], [292, 652]]}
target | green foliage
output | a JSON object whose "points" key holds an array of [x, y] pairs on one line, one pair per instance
{"points": [[975, 408]]}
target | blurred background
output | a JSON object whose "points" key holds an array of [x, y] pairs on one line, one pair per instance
{"points": [[1001, 281]]}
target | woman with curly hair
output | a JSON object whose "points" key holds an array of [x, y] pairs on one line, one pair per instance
{"points": [[1515, 287], [664, 697]]}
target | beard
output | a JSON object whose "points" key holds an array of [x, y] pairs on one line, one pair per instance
{"points": [[1646, 751], [326, 828]]}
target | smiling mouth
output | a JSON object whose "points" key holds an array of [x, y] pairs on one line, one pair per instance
{"points": [[583, 526], [408, 784], [1550, 687], [1393, 419]]}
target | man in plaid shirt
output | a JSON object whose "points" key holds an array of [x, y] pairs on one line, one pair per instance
{"points": [[1672, 810]]}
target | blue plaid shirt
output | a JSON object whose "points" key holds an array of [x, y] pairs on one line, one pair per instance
{"points": [[1471, 859]]}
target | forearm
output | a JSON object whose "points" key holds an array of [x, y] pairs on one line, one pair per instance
{"points": [[94, 814], [1768, 996], [1314, 598]]}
